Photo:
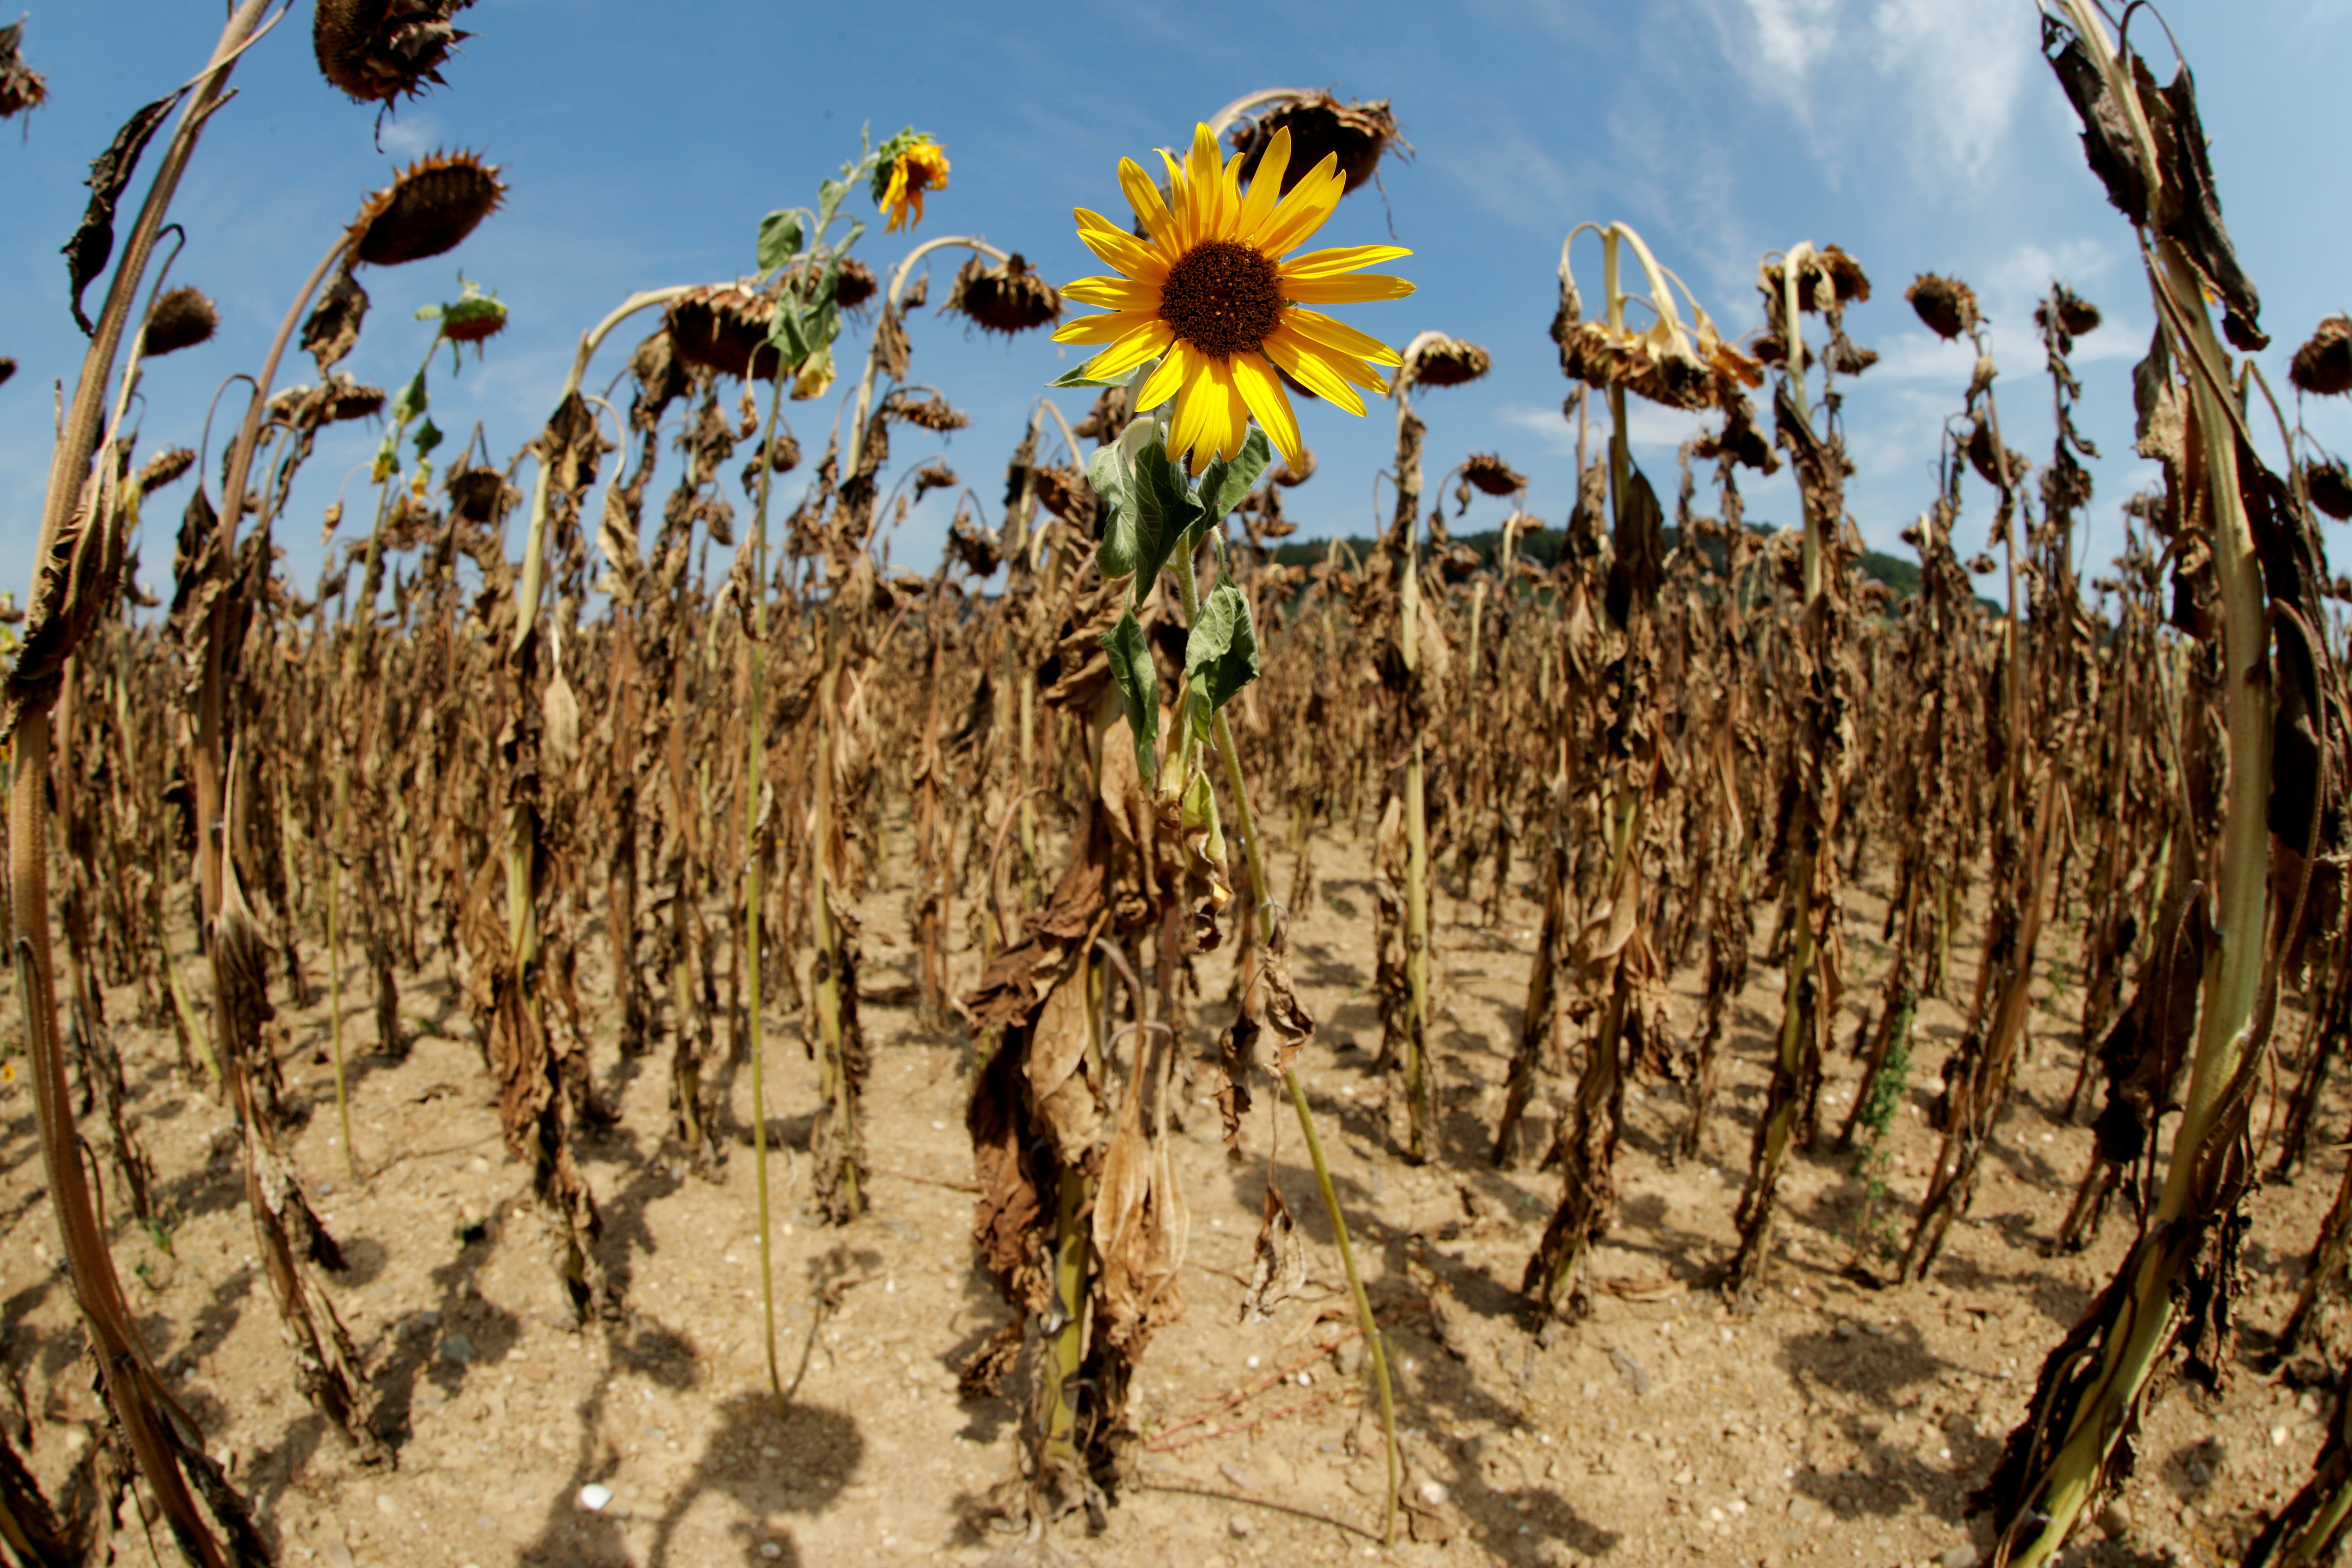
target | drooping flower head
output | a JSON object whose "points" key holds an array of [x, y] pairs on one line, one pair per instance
{"points": [[1208, 290], [907, 165]]}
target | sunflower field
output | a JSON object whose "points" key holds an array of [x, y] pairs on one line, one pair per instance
{"points": [[614, 1028]]}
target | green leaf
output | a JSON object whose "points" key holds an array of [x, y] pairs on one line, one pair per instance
{"points": [[1223, 484], [428, 435], [1079, 377], [1131, 381], [1139, 685], [1220, 653], [782, 234], [409, 401], [1150, 519], [829, 201]]}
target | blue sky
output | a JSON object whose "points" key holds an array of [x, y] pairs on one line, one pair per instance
{"points": [[642, 144]]}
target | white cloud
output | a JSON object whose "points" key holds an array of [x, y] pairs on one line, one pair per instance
{"points": [[1949, 74], [1649, 427], [1512, 177], [1962, 64], [410, 136]]}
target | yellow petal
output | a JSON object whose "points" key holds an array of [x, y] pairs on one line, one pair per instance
{"points": [[1310, 203], [1216, 194], [1341, 258], [1263, 391], [1349, 288], [1119, 293], [1181, 205], [1202, 167], [1162, 384], [1266, 186], [1337, 335], [1297, 356], [1144, 197], [1236, 416], [1124, 251], [1107, 328], [1131, 350], [1193, 401]]}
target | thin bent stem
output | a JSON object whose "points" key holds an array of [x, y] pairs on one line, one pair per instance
{"points": [[856, 439], [755, 885], [1246, 829]]}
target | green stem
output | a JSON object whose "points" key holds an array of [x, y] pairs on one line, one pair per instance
{"points": [[755, 885], [1246, 829]]}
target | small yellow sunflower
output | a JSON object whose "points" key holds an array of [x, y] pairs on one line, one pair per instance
{"points": [[923, 166], [1209, 290]]}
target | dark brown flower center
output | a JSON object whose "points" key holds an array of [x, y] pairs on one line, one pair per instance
{"points": [[1221, 297]]}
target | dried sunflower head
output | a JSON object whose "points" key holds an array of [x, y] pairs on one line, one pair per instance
{"points": [[2324, 365], [1946, 305], [21, 87], [1433, 360], [724, 327], [1828, 280], [181, 318], [1357, 134], [1486, 472], [2331, 487], [932, 412], [2075, 316], [377, 50], [480, 496], [853, 284], [348, 399], [163, 468], [1008, 299], [429, 208], [1061, 489]]}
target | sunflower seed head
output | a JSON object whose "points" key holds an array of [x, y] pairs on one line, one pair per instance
{"points": [[181, 318], [429, 208], [378, 51], [1358, 134], [2324, 365]]}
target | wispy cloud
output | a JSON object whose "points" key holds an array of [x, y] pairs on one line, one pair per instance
{"points": [[1648, 426], [1949, 74]]}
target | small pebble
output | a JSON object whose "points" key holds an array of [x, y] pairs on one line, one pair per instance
{"points": [[1236, 1475], [1433, 1492], [458, 1350], [594, 1496]]}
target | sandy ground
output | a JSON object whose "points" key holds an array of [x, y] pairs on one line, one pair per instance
{"points": [[1836, 1423]]}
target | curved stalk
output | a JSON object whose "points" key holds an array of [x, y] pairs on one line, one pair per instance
{"points": [[133, 1393], [755, 885], [865, 405], [1246, 829]]}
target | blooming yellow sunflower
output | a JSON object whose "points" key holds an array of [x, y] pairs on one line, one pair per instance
{"points": [[1209, 290], [922, 166]]}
